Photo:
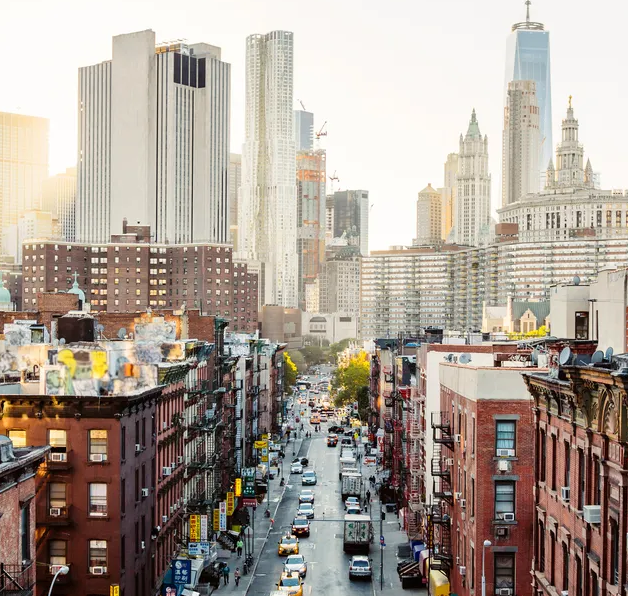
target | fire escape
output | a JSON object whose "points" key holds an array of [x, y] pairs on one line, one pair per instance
{"points": [[440, 519], [415, 458]]}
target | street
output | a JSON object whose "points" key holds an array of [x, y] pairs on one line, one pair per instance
{"points": [[327, 563]]}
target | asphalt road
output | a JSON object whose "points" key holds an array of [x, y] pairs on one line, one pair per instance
{"points": [[327, 564]]}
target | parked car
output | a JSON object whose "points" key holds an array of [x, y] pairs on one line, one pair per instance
{"points": [[360, 566]]}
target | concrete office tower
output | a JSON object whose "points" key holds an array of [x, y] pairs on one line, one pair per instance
{"points": [[235, 181], [303, 130], [329, 218], [267, 206], [154, 142], [520, 142], [23, 169], [473, 196], [528, 59], [311, 174], [448, 196], [59, 199], [340, 284], [351, 218], [428, 217]]}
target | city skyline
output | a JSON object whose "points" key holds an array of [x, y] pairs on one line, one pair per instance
{"points": [[356, 119]]}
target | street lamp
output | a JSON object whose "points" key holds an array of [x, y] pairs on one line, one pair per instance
{"points": [[484, 546], [63, 570]]}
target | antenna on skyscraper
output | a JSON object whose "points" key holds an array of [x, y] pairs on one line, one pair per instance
{"points": [[528, 11]]}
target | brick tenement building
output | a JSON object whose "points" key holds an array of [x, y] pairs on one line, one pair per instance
{"points": [[483, 476], [131, 275], [581, 484], [18, 469]]}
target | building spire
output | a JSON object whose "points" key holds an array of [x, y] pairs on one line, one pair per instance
{"points": [[528, 11]]}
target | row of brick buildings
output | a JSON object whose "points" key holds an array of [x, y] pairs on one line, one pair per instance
{"points": [[515, 453], [140, 434]]}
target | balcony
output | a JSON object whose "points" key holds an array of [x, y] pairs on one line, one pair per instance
{"points": [[17, 580]]}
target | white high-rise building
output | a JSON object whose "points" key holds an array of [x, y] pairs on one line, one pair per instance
{"points": [[154, 142], [23, 169], [473, 196], [59, 199], [267, 205], [235, 180], [448, 196], [428, 217], [520, 143]]}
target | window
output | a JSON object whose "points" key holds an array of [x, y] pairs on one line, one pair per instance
{"points": [[595, 588], [57, 552], [122, 553], [25, 533], [582, 325], [543, 456], [567, 464], [504, 571], [614, 578], [578, 576], [123, 496], [97, 499], [581, 480], [541, 557], [552, 558], [597, 481], [504, 498], [565, 567], [554, 461], [18, 437], [472, 575], [123, 443], [505, 435], [472, 433], [56, 495], [97, 553], [97, 445], [472, 496]]}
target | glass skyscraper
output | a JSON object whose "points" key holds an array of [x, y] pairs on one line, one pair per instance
{"points": [[528, 59]]}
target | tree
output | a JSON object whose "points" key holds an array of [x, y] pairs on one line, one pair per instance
{"points": [[314, 355], [289, 373], [298, 359], [349, 379], [338, 347], [364, 403]]}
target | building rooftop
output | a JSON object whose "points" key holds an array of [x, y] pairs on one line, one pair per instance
{"points": [[12, 459]]}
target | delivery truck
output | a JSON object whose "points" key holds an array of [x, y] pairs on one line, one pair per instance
{"points": [[358, 534], [351, 485]]}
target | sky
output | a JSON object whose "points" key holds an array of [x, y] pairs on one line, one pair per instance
{"points": [[396, 81]]}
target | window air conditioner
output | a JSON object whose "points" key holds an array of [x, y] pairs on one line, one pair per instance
{"points": [[564, 593], [463, 570], [166, 471], [173, 464], [145, 492], [565, 493], [456, 438], [180, 459], [449, 461], [99, 457], [98, 570], [54, 568], [138, 448], [58, 457], [505, 452], [462, 503], [592, 514], [164, 519], [143, 545], [509, 517], [504, 591], [55, 511], [457, 496]]}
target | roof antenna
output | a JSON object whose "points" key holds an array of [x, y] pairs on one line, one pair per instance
{"points": [[528, 11]]}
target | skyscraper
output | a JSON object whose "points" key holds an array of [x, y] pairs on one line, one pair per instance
{"points": [[23, 169], [303, 130], [267, 206], [235, 180], [154, 141], [448, 195], [351, 218], [473, 197], [59, 198], [528, 59], [520, 142], [428, 217]]}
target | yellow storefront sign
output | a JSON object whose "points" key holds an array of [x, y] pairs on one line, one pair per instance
{"points": [[230, 503], [265, 437], [238, 487], [114, 590], [195, 528], [216, 519], [260, 444]]}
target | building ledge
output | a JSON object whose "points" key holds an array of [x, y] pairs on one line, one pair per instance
{"points": [[501, 522]]}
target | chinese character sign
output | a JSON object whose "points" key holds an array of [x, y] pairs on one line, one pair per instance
{"points": [[230, 503], [223, 516], [204, 524], [195, 528], [216, 520], [182, 571], [238, 487]]}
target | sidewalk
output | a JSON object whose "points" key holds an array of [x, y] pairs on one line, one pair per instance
{"points": [[263, 527]]}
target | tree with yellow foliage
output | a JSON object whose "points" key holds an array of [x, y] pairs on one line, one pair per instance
{"points": [[350, 378], [289, 373]]}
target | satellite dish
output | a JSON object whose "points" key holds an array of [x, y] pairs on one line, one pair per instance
{"points": [[565, 356], [576, 280], [534, 356], [62, 341], [100, 327], [464, 358], [609, 354], [598, 356], [122, 333]]}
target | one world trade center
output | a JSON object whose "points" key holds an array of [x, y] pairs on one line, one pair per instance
{"points": [[528, 59]]}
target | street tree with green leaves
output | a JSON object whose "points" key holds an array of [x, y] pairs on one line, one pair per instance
{"points": [[350, 379]]}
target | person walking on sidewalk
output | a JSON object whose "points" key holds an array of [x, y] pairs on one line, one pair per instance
{"points": [[239, 546], [236, 576], [368, 496], [225, 574]]}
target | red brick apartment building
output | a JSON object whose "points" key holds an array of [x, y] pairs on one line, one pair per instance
{"points": [[581, 484], [129, 274], [483, 476], [18, 470]]}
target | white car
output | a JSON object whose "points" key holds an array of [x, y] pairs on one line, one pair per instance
{"points": [[296, 468], [360, 566], [296, 563], [352, 502], [306, 510]]}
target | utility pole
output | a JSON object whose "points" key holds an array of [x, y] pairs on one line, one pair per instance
{"points": [[381, 546]]}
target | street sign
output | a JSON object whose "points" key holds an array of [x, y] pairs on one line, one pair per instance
{"points": [[382, 542], [114, 590], [216, 520], [182, 571], [223, 516], [204, 526], [195, 528], [230, 503], [198, 548], [249, 503], [238, 487]]}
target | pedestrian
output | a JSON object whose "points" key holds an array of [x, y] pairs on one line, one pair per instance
{"points": [[239, 546], [225, 574], [368, 496], [236, 576]]}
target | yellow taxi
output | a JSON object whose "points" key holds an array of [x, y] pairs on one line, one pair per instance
{"points": [[288, 545], [291, 583]]}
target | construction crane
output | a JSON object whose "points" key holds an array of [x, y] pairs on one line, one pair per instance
{"points": [[333, 179], [320, 133], [302, 105]]}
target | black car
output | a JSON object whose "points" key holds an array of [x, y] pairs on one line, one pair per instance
{"points": [[304, 461], [336, 430]]}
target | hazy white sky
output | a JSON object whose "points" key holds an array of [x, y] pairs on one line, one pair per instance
{"points": [[395, 80]]}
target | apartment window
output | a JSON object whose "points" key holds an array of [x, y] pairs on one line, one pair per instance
{"points": [[541, 551], [614, 578], [504, 571], [505, 436], [137, 538], [25, 533], [582, 325], [565, 567], [597, 481], [57, 552], [57, 495], [504, 498], [137, 485], [123, 496], [581, 480], [97, 445], [552, 559], [595, 588], [578, 576], [543, 456], [472, 575], [472, 496], [123, 443], [472, 434], [567, 464], [122, 553], [97, 553], [18, 437], [97, 499], [57, 439], [554, 460]]}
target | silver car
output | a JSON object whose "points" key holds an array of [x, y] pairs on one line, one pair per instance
{"points": [[306, 510], [360, 566], [296, 563]]}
